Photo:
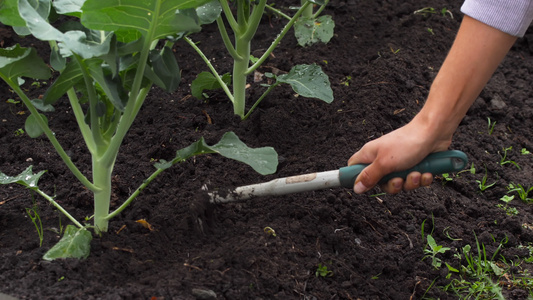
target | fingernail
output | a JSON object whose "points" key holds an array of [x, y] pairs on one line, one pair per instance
{"points": [[397, 185], [416, 180], [359, 188]]}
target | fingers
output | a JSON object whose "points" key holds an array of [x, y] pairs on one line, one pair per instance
{"points": [[413, 181]]}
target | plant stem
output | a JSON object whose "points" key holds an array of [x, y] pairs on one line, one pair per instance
{"points": [[59, 207], [102, 178], [308, 11], [276, 42], [210, 66], [270, 88], [51, 136]]}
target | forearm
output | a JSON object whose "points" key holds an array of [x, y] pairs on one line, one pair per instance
{"points": [[476, 53]]}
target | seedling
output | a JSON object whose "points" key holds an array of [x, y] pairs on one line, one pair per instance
{"points": [[524, 151], [504, 160], [432, 249], [33, 213], [521, 191], [491, 126], [110, 67], [322, 271], [511, 211], [306, 80], [346, 81], [269, 231], [483, 182], [19, 132]]}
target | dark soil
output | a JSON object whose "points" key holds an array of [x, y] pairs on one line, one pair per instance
{"points": [[372, 245]]}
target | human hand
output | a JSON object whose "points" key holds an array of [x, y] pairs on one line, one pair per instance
{"points": [[396, 151]]}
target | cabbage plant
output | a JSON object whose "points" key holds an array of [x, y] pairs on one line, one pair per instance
{"points": [[105, 57]]}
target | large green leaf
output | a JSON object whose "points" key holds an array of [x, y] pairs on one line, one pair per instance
{"points": [[309, 81], [26, 178], [263, 160], [153, 19], [75, 243], [309, 31], [68, 7], [87, 44], [9, 13], [22, 62]]}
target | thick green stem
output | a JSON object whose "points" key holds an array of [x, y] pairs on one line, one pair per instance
{"points": [[308, 12], [102, 178], [239, 76]]}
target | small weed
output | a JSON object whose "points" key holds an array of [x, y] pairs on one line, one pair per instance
{"points": [[346, 81], [491, 126], [510, 211], [33, 213], [430, 30], [483, 182], [322, 271], [521, 191], [432, 249], [504, 160], [19, 132], [524, 151], [269, 231]]}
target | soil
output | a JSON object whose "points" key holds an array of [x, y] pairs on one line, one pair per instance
{"points": [[381, 63]]}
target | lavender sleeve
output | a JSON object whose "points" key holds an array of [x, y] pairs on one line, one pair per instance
{"points": [[510, 16]]}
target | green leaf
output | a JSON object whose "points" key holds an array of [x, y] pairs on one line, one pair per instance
{"points": [[263, 160], [310, 31], [9, 14], [86, 43], [153, 19], [32, 126], [68, 7], [26, 178], [209, 12], [40, 105], [166, 68], [206, 81], [75, 243], [22, 62], [67, 79], [309, 81]]}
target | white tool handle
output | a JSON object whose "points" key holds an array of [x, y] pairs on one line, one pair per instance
{"points": [[281, 186]]}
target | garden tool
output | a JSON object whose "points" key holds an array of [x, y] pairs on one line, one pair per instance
{"points": [[435, 163]]}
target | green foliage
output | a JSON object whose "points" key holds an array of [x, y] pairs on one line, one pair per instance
{"points": [[482, 184], [244, 27], [310, 31], [504, 160], [432, 249], [322, 271], [75, 243], [33, 213], [207, 81], [105, 63], [490, 125], [521, 191]]}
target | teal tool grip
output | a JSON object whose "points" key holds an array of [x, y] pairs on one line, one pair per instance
{"points": [[436, 163]]}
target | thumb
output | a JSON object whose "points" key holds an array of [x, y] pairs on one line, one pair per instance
{"points": [[368, 178]]}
